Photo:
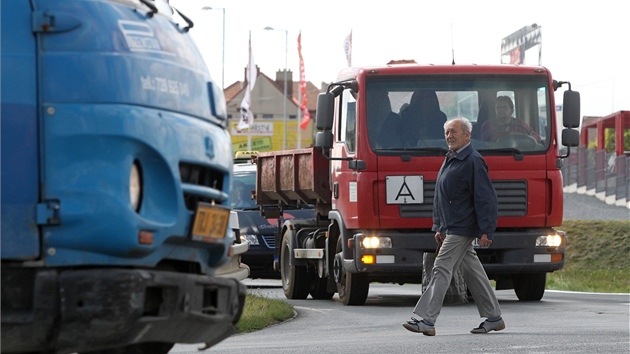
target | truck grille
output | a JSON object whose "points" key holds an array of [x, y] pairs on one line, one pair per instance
{"points": [[512, 197], [209, 179]]}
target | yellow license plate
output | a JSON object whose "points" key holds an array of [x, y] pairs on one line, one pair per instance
{"points": [[211, 222]]}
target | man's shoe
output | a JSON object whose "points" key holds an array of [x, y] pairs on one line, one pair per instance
{"points": [[487, 326], [419, 327]]}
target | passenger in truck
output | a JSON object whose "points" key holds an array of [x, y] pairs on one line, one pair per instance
{"points": [[383, 123], [422, 119], [504, 124]]}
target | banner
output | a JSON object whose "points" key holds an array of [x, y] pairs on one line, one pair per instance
{"points": [[347, 46], [305, 113], [517, 46], [247, 116]]}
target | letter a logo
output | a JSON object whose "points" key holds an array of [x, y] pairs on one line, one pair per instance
{"points": [[404, 192]]}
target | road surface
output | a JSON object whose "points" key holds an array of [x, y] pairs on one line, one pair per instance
{"points": [[562, 322]]}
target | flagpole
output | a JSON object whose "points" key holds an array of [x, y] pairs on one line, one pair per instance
{"points": [[302, 110], [299, 111], [249, 72], [247, 117], [299, 120], [249, 140]]}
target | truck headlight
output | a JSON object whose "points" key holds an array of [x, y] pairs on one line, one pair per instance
{"points": [[135, 186], [549, 241], [376, 242]]}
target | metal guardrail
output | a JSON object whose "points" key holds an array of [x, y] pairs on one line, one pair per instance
{"points": [[599, 173]]}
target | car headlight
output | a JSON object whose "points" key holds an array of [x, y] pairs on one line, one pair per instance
{"points": [[135, 186], [376, 242], [549, 241], [251, 239]]}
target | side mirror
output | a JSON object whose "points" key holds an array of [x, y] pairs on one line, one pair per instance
{"points": [[324, 140], [571, 109], [570, 137], [325, 110]]}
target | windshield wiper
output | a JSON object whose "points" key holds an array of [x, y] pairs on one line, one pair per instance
{"points": [[421, 149], [433, 149], [518, 154]]}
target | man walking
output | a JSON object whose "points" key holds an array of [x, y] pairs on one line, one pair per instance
{"points": [[464, 208]]}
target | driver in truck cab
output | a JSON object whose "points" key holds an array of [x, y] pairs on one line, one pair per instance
{"points": [[504, 124]]}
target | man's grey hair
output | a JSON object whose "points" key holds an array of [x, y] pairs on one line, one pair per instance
{"points": [[466, 124]]}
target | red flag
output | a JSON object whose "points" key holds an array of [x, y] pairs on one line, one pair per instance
{"points": [[306, 115]]}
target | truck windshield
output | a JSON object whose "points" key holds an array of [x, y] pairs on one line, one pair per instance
{"points": [[508, 113]]}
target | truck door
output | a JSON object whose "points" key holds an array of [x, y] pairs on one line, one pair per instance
{"points": [[19, 137]]}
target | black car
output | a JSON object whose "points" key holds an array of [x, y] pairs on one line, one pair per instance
{"points": [[258, 231]]}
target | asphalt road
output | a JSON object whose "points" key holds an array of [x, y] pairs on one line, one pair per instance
{"points": [[586, 207], [562, 322]]}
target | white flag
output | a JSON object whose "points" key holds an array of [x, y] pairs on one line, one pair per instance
{"points": [[247, 116], [347, 46]]}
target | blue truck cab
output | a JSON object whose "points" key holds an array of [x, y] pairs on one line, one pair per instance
{"points": [[116, 173]]}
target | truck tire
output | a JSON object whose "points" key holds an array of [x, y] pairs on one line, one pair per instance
{"points": [[141, 348], [530, 287], [352, 288], [295, 282]]}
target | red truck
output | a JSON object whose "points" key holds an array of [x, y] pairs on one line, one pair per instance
{"points": [[372, 172]]}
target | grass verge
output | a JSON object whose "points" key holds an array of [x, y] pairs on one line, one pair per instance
{"points": [[597, 257], [261, 312]]}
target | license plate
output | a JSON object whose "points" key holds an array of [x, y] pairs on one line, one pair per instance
{"points": [[211, 222]]}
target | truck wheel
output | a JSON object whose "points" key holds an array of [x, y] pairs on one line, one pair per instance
{"points": [[352, 287], [294, 278], [141, 348], [530, 287]]}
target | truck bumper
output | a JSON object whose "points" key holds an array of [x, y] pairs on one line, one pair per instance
{"points": [[400, 263], [89, 309], [512, 252]]}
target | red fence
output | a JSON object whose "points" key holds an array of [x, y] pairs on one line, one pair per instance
{"points": [[595, 170]]}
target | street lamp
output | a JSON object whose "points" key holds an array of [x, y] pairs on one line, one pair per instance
{"points": [[286, 50], [222, 44]]}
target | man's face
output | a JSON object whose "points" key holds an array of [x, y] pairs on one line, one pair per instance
{"points": [[503, 111], [455, 135]]}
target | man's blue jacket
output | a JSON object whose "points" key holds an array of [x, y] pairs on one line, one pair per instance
{"points": [[465, 202]]}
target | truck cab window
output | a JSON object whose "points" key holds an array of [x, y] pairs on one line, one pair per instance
{"points": [[348, 120], [409, 115], [382, 122]]}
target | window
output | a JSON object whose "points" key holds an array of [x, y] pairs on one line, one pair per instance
{"points": [[348, 120], [413, 110]]}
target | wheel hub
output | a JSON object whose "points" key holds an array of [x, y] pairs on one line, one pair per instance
{"points": [[338, 268]]}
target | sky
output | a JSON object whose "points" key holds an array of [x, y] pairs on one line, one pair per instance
{"points": [[585, 43]]}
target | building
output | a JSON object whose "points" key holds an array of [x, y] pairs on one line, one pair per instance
{"points": [[594, 128], [267, 104]]}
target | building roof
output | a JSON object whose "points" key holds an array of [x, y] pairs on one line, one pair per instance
{"points": [[312, 91]]}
